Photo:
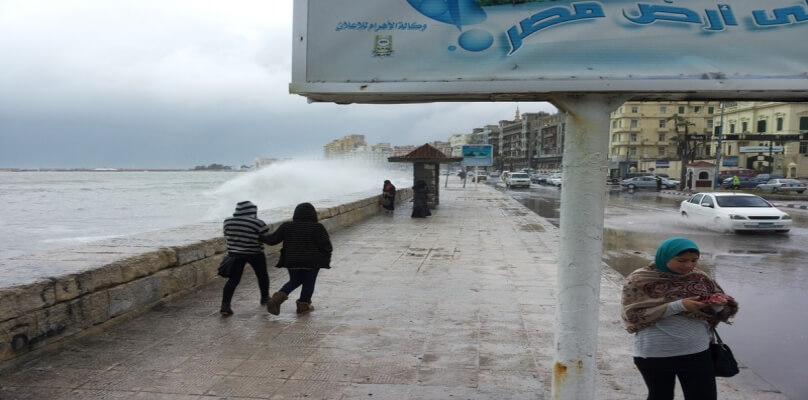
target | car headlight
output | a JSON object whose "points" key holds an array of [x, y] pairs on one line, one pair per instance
{"points": [[785, 217], [736, 216]]}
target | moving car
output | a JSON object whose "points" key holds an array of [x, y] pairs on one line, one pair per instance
{"points": [[782, 185], [647, 182], [517, 179], [734, 212]]}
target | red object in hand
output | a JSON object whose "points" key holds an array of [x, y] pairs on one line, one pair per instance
{"points": [[712, 298]]}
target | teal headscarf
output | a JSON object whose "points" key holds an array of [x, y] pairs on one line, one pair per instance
{"points": [[669, 248]]}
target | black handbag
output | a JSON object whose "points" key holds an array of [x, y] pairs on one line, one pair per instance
{"points": [[226, 265], [724, 362]]}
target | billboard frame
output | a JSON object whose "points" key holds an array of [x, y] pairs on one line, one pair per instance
{"points": [[705, 86]]}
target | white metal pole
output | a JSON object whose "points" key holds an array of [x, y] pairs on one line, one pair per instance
{"points": [[583, 200]]}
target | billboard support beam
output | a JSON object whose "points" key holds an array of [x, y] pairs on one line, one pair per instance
{"points": [[584, 167]]}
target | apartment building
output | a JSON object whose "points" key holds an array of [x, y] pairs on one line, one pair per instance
{"points": [[763, 136], [767, 137], [647, 136]]}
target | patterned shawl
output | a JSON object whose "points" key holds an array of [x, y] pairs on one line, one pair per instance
{"points": [[648, 291]]}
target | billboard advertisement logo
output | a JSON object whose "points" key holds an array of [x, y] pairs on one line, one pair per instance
{"points": [[458, 13], [383, 46]]}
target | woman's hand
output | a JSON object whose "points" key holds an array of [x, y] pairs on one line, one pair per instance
{"points": [[693, 304], [716, 299]]}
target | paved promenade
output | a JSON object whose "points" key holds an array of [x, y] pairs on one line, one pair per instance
{"points": [[456, 306]]}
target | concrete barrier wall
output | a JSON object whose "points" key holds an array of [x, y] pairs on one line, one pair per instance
{"points": [[125, 277]]}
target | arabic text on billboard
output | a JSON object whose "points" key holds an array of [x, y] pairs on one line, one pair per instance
{"points": [[466, 41]]}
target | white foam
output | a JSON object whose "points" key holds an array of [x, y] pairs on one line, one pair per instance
{"points": [[287, 183]]}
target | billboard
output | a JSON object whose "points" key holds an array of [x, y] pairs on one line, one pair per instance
{"points": [[377, 51], [760, 149], [477, 155]]}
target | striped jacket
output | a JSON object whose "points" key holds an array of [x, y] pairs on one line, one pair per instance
{"points": [[244, 231]]}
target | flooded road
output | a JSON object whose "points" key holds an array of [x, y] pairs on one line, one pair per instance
{"points": [[766, 273]]}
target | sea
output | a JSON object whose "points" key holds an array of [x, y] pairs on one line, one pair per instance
{"points": [[46, 210]]}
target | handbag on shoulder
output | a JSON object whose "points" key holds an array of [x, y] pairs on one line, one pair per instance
{"points": [[723, 361], [226, 265]]}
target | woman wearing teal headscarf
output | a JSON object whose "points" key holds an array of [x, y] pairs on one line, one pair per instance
{"points": [[671, 307]]}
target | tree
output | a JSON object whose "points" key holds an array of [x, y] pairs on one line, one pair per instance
{"points": [[684, 149]]}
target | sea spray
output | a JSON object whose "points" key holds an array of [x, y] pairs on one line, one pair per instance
{"points": [[287, 183]]}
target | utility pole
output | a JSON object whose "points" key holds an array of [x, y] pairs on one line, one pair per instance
{"points": [[628, 147], [720, 135], [581, 244]]}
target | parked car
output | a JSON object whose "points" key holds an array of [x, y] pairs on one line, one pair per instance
{"points": [[734, 212], [647, 182], [539, 178], [782, 185], [763, 178], [745, 182], [517, 179], [555, 179]]}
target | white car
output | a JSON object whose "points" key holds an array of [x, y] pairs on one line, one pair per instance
{"points": [[555, 179], [646, 182], [517, 179], [782, 185], [734, 212]]}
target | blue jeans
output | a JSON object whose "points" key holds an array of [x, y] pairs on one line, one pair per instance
{"points": [[301, 277]]}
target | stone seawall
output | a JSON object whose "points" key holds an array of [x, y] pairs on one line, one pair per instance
{"points": [[109, 281]]}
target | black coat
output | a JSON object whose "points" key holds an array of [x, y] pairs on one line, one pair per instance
{"points": [[420, 195], [306, 244]]}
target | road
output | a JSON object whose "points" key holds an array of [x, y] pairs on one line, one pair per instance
{"points": [[766, 273]]}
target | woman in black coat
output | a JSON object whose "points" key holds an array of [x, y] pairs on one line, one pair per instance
{"points": [[306, 249], [420, 194]]}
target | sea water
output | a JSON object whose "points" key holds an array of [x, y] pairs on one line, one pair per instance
{"points": [[46, 210]]}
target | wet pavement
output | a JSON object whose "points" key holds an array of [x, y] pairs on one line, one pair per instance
{"points": [[460, 305], [765, 271]]}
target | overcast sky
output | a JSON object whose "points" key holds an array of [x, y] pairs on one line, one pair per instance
{"points": [[180, 83]]}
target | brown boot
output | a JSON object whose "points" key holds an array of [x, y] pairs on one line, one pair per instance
{"points": [[274, 304], [304, 307]]}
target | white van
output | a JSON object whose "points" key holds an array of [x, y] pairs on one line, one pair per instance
{"points": [[517, 179]]}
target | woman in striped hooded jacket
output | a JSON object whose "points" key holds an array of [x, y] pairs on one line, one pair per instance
{"points": [[244, 233]]}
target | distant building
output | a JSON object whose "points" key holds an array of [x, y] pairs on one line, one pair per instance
{"points": [[443, 147], [644, 136], [781, 125], [338, 148], [549, 143], [456, 143], [260, 162], [402, 150], [354, 148]]}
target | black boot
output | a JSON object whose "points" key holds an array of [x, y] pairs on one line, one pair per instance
{"points": [[226, 311]]}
